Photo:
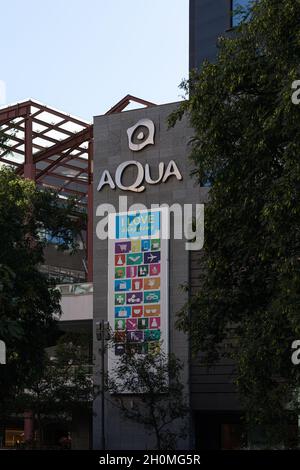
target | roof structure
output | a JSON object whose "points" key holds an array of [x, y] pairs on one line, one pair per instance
{"points": [[51, 147], [48, 146], [124, 102], [55, 150]]}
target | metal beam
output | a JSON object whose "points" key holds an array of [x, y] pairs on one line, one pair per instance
{"points": [[29, 166], [117, 108], [13, 112], [89, 235], [58, 148]]}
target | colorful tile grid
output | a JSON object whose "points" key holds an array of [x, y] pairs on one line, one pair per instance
{"points": [[137, 296]]}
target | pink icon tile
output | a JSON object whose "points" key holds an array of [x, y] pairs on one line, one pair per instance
{"points": [[154, 269]]}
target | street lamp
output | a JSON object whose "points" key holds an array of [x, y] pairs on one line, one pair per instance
{"points": [[102, 335], [2, 353]]}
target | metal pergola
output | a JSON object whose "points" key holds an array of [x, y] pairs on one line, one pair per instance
{"points": [[55, 150]]}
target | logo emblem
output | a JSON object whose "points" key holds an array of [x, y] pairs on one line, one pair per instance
{"points": [[141, 134]]}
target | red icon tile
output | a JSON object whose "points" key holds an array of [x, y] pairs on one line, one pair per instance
{"points": [[137, 311], [120, 260], [137, 284]]}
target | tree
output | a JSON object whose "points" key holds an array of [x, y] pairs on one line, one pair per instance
{"points": [[159, 404], [64, 386], [246, 146], [28, 300]]}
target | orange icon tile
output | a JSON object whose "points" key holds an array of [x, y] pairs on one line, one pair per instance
{"points": [[152, 283], [152, 310]]}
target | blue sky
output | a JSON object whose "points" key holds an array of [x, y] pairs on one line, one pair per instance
{"points": [[82, 56]]}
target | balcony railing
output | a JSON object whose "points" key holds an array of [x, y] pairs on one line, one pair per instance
{"points": [[75, 289]]}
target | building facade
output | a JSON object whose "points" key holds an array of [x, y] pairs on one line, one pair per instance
{"points": [[111, 150], [215, 412], [214, 409]]}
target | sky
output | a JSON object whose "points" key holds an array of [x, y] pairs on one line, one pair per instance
{"points": [[83, 56]]}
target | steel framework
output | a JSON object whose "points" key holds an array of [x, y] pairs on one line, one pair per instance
{"points": [[55, 150]]}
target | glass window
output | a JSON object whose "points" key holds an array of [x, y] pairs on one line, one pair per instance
{"points": [[14, 437], [237, 18]]}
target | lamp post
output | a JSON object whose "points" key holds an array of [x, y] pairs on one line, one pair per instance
{"points": [[102, 335], [2, 353]]}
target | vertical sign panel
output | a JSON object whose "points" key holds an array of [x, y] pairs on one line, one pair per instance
{"points": [[138, 289]]}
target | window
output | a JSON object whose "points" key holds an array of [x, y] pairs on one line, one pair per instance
{"points": [[14, 437], [237, 18]]}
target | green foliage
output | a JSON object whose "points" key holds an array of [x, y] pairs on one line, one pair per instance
{"points": [[162, 407], [64, 385], [247, 145], [27, 299]]}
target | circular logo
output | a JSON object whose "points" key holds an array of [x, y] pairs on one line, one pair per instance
{"points": [[141, 134]]}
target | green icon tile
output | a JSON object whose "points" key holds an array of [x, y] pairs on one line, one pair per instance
{"points": [[119, 273], [143, 323], [120, 325], [134, 259], [119, 299], [155, 244]]}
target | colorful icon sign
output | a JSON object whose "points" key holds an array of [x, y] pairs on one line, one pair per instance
{"points": [[123, 285], [152, 257], [152, 335], [120, 299], [137, 284], [134, 259], [122, 312], [154, 323], [120, 260], [134, 298], [120, 325], [154, 269], [131, 324], [119, 273], [155, 244], [135, 336], [146, 245], [122, 247], [152, 283], [151, 297], [143, 271], [131, 271], [152, 310], [137, 312], [137, 279]]}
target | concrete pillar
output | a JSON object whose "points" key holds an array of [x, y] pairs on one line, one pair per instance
{"points": [[28, 425]]}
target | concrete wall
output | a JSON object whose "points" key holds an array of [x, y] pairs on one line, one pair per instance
{"points": [[76, 307], [213, 388], [209, 19], [111, 148]]}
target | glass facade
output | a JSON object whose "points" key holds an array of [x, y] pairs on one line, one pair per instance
{"points": [[236, 19]]}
